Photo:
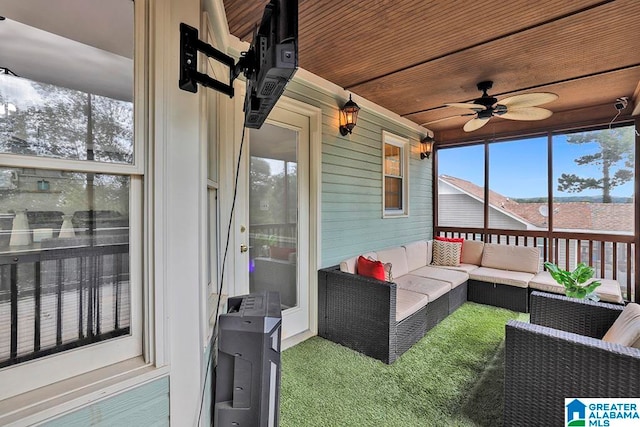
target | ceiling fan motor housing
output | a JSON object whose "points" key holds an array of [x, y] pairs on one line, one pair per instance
{"points": [[485, 99]]}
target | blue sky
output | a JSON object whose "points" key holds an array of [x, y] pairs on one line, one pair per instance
{"points": [[519, 168]]}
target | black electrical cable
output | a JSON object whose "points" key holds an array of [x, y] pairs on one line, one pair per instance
{"points": [[214, 335]]}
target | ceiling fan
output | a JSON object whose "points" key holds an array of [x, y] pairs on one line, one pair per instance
{"points": [[518, 107]]}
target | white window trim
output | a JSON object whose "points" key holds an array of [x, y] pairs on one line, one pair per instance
{"points": [[403, 143], [36, 376]]}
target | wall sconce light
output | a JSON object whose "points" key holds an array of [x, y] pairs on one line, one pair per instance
{"points": [[43, 185], [426, 147], [348, 117]]}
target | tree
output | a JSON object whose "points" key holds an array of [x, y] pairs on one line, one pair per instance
{"points": [[615, 159]]}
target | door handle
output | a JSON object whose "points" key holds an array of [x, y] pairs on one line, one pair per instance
{"points": [[243, 248]]}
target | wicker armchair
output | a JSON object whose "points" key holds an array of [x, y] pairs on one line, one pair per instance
{"points": [[559, 355]]}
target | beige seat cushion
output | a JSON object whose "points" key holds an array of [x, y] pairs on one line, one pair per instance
{"points": [[503, 277], [466, 268], [510, 257], [408, 302], [472, 252], [351, 265], [398, 259], [454, 277], [423, 285], [609, 290], [416, 254], [626, 329]]}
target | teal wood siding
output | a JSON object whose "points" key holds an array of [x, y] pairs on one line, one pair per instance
{"points": [[147, 405], [351, 200]]}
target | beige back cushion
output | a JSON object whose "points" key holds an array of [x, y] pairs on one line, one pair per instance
{"points": [[472, 252], [351, 265], [626, 329], [416, 254], [398, 259], [510, 257]]}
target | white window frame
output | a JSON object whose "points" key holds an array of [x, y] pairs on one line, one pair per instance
{"points": [[389, 138], [41, 372]]}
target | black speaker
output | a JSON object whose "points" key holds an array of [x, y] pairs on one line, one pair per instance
{"points": [[247, 389]]}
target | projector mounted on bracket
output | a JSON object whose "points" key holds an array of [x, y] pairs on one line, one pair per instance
{"points": [[268, 65]]}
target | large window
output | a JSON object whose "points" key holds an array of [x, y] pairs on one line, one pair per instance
{"points": [[591, 216], [592, 183], [395, 171], [70, 201]]}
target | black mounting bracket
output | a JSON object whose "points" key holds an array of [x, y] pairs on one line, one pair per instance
{"points": [[190, 45]]}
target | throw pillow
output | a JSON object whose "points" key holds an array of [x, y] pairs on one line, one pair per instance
{"points": [[446, 253], [370, 268], [453, 240], [387, 270]]}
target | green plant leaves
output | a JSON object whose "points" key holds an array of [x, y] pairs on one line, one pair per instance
{"points": [[574, 281]]}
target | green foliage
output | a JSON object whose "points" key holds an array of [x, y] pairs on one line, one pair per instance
{"points": [[615, 159], [574, 281]]}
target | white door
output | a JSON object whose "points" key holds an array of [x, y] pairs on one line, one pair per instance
{"points": [[274, 233]]}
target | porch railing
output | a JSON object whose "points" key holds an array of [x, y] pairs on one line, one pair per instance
{"points": [[611, 255], [52, 300]]}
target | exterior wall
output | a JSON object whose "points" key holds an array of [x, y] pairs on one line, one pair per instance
{"points": [[147, 405], [459, 210], [462, 210], [351, 200], [499, 220]]}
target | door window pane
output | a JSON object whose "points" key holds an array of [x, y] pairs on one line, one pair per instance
{"points": [[273, 212]]}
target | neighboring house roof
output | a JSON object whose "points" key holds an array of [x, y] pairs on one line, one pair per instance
{"points": [[569, 215]]}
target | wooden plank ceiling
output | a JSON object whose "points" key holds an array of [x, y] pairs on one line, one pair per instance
{"points": [[413, 56]]}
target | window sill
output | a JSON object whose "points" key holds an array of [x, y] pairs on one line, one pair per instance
{"points": [[74, 393], [394, 215]]}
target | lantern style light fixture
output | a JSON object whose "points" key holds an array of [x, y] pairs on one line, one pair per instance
{"points": [[348, 117], [426, 147]]}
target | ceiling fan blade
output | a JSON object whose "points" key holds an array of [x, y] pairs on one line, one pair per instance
{"points": [[468, 105], [447, 118], [528, 113], [475, 124], [528, 99]]}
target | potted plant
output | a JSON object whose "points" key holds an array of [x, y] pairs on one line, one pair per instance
{"points": [[574, 281]]}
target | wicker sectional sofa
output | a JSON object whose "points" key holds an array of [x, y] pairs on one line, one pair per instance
{"points": [[383, 319]]}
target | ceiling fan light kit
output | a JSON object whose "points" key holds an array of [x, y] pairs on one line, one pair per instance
{"points": [[517, 107]]}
